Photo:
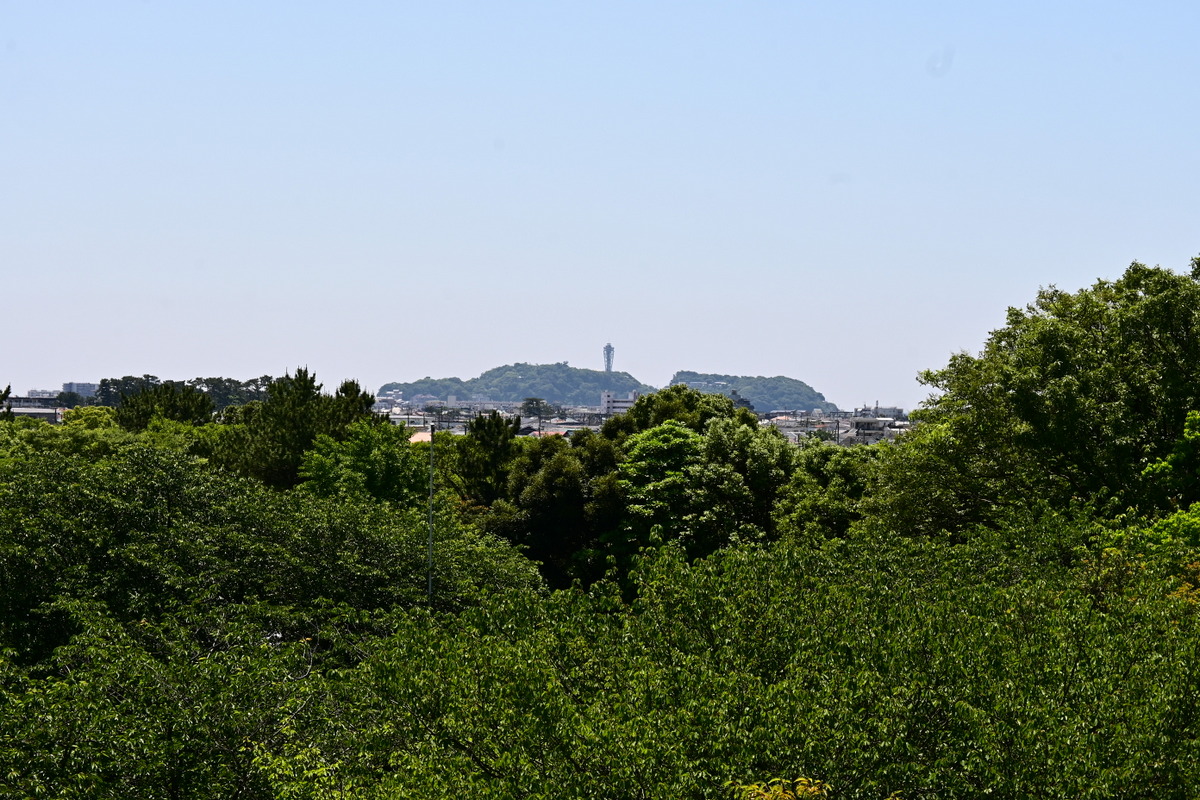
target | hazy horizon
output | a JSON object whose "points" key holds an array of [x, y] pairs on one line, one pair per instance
{"points": [[384, 192]]}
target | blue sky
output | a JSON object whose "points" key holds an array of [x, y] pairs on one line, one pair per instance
{"points": [[384, 191]]}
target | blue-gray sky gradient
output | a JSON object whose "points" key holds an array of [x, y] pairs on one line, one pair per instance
{"points": [[841, 194]]}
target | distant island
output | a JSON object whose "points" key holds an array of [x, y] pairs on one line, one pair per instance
{"points": [[765, 394], [555, 383], [562, 384]]}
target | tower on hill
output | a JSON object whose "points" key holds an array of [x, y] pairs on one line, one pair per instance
{"points": [[608, 354]]}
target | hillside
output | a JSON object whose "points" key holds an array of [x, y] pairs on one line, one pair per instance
{"points": [[765, 394], [555, 383]]}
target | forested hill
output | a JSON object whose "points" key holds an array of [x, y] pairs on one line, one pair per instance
{"points": [[555, 383], [765, 394]]}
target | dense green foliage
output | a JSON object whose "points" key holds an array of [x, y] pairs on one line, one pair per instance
{"points": [[765, 394], [555, 383], [267, 440], [679, 403], [1070, 402], [1004, 603], [926, 669], [374, 461], [222, 392], [111, 390], [483, 456], [169, 400]]}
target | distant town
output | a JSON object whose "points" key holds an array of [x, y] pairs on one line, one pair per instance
{"points": [[424, 413], [550, 399]]}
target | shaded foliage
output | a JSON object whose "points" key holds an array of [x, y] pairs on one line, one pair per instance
{"points": [[226, 392], [111, 390], [824, 497], [680, 403], [267, 440], [483, 456], [147, 530], [170, 400], [1070, 402], [373, 461]]}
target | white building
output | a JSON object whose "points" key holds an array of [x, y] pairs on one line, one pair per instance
{"points": [[871, 429], [611, 404]]}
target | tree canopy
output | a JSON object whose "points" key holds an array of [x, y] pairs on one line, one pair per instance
{"points": [[276, 602], [168, 400], [1070, 401], [269, 438]]}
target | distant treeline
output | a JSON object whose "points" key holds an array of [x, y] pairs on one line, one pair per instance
{"points": [[765, 394], [565, 385], [223, 392], [558, 384]]}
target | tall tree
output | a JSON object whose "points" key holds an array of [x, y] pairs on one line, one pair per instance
{"points": [[111, 389], [1069, 402], [681, 403], [170, 400], [483, 458], [226, 392], [71, 399], [269, 438], [548, 511], [822, 499], [536, 407], [375, 461]]}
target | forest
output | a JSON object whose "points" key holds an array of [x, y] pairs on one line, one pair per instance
{"points": [[560, 384], [765, 394], [268, 598]]}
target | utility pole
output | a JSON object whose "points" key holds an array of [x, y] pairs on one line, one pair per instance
{"points": [[429, 571]]}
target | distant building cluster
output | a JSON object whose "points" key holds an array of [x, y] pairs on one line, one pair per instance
{"points": [[81, 389], [860, 426], [866, 425], [43, 404]]}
